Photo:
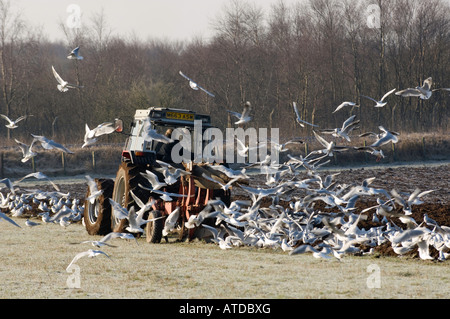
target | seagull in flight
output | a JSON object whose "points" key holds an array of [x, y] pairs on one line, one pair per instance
{"points": [[64, 86], [135, 220], [2, 215], [424, 91], [153, 179], [8, 184], [195, 86], [298, 118], [384, 138], [329, 146], [89, 253], [243, 117], [90, 136], [381, 102], [150, 134], [348, 126], [38, 175], [26, 150], [74, 55], [170, 222], [344, 104], [50, 144], [373, 151], [94, 192], [13, 124]]}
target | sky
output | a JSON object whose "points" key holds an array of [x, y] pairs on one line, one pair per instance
{"points": [[165, 19]]}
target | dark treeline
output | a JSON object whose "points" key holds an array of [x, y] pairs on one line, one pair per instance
{"points": [[317, 53]]}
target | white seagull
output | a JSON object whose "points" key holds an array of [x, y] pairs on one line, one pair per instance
{"points": [[13, 124], [424, 91], [103, 241], [348, 126], [50, 144], [8, 184], [171, 221], [153, 179], [27, 151], [64, 86], [385, 137], [94, 192], [74, 55], [298, 118], [89, 253], [29, 223], [344, 104], [194, 85], [243, 117], [38, 175], [151, 134], [2, 215], [90, 136], [381, 102]]}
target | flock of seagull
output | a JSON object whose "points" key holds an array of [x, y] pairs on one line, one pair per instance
{"points": [[297, 228]]}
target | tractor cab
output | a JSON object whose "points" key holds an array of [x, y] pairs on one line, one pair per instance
{"points": [[140, 151]]}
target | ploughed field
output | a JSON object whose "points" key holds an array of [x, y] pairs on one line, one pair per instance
{"points": [[404, 179]]}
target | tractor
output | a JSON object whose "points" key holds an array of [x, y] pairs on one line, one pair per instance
{"points": [[140, 155]]}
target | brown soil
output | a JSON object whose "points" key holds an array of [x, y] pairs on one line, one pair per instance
{"points": [[404, 179]]}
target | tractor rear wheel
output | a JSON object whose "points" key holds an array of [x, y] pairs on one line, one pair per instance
{"points": [[153, 230], [128, 178], [97, 215]]}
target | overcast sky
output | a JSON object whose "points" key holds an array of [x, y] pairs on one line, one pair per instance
{"points": [[167, 19]]}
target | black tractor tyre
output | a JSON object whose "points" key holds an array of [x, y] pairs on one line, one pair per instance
{"points": [[153, 229], [128, 178], [97, 215]]}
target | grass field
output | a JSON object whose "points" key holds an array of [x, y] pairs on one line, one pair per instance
{"points": [[34, 261]]}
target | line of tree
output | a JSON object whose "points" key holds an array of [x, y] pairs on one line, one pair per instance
{"points": [[317, 53]]}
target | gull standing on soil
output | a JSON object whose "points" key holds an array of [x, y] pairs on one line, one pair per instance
{"points": [[50, 144], [74, 55], [13, 124], [381, 102], [298, 117], [89, 253], [195, 86], [29, 223], [243, 117], [64, 86]]}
